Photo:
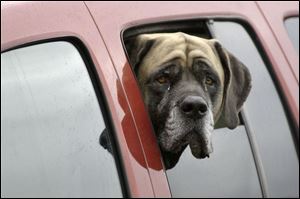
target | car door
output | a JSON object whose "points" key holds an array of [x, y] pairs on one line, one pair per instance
{"points": [[59, 93], [244, 165]]}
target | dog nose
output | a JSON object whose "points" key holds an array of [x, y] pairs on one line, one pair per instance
{"points": [[193, 106]]}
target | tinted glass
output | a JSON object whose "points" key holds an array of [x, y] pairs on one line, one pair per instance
{"points": [[266, 115], [292, 27], [50, 126]]}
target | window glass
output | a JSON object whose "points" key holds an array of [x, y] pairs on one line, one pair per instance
{"points": [[229, 172], [265, 114], [292, 27], [50, 126]]}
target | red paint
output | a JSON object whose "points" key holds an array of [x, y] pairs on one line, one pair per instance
{"points": [[25, 22]]}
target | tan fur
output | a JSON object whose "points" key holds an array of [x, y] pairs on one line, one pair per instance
{"points": [[183, 47]]}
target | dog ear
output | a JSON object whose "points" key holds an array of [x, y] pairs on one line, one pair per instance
{"points": [[138, 49], [237, 86]]}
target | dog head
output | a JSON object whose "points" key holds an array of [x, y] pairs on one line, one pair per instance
{"points": [[187, 83]]}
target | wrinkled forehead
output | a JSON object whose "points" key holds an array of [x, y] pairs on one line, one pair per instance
{"points": [[178, 46]]}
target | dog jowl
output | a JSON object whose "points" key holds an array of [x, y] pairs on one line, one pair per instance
{"points": [[188, 83]]}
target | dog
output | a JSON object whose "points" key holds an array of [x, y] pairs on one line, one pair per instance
{"points": [[188, 84]]}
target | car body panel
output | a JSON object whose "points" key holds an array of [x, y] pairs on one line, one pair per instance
{"points": [[99, 26], [276, 13], [114, 17]]}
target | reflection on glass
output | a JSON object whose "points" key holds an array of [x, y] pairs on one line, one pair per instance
{"points": [[50, 126], [292, 27]]}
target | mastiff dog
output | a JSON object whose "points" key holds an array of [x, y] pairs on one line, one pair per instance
{"points": [[189, 84]]}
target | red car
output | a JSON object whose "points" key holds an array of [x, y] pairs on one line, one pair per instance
{"points": [[65, 78]]}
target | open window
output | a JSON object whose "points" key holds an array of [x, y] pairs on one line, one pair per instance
{"points": [[241, 164], [200, 174]]}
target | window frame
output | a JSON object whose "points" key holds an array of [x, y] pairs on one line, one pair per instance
{"points": [[101, 99]]}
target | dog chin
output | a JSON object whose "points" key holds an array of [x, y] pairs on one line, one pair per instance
{"points": [[197, 134], [200, 145]]}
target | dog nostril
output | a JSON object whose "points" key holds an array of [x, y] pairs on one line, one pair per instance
{"points": [[187, 107], [193, 106], [202, 108]]}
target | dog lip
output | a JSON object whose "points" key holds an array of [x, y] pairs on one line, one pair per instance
{"points": [[198, 146], [195, 140]]}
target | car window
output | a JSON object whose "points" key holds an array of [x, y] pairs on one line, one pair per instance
{"points": [[292, 27], [258, 158], [51, 122], [265, 115], [229, 172]]}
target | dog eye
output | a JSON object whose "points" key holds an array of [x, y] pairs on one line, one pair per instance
{"points": [[162, 79], [209, 81]]}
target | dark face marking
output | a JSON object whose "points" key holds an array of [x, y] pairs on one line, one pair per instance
{"points": [[209, 79], [181, 106]]}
